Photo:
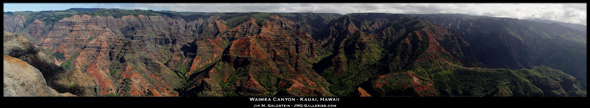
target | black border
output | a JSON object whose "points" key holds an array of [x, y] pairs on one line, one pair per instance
{"points": [[344, 101]]}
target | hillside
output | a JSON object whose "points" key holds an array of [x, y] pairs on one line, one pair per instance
{"points": [[516, 44], [192, 54], [22, 75]]}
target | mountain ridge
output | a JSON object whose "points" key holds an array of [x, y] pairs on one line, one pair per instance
{"points": [[281, 54]]}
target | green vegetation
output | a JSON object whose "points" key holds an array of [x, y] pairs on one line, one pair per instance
{"points": [[73, 87], [233, 20], [153, 35], [553, 82], [350, 60], [464, 82], [114, 69], [51, 17], [126, 86], [362, 58], [346, 78], [527, 43], [420, 25], [187, 16], [540, 81], [91, 38], [111, 95], [67, 64], [267, 79], [216, 61], [48, 17], [394, 84], [118, 13], [59, 55], [233, 77], [182, 68]]}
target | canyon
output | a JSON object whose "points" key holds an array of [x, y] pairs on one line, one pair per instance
{"points": [[116, 52]]}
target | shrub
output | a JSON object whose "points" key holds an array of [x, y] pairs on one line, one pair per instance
{"points": [[59, 55]]}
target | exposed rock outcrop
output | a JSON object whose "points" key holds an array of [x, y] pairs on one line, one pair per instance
{"points": [[256, 60], [55, 76], [13, 23], [22, 79], [283, 54]]}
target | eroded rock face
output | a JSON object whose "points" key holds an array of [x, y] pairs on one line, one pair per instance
{"points": [[413, 58], [22, 79], [34, 30], [141, 55], [515, 44], [17, 46], [367, 47], [12, 23], [257, 60], [256, 54], [92, 48], [362, 93], [55, 76], [401, 84]]}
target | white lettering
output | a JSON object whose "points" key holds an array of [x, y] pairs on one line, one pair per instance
{"points": [[329, 99], [259, 99]]}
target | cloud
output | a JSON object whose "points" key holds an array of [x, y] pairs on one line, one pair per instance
{"points": [[568, 12], [561, 12]]}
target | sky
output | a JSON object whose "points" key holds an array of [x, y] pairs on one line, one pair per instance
{"points": [[561, 12]]}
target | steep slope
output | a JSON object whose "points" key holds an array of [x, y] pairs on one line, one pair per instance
{"points": [[515, 44], [368, 45], [257, 60], [119, 54], [12, 23], [56, 77], [114, 52], [400, 55], [22, 79], [578, 27], [136, 55], [82, 44]]}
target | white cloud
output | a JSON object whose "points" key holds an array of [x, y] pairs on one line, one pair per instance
{"points": [[565, 12]]}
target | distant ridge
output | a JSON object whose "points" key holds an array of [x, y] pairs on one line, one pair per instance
{"points": [[568, 25], [239, 54], [85, 9]]}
